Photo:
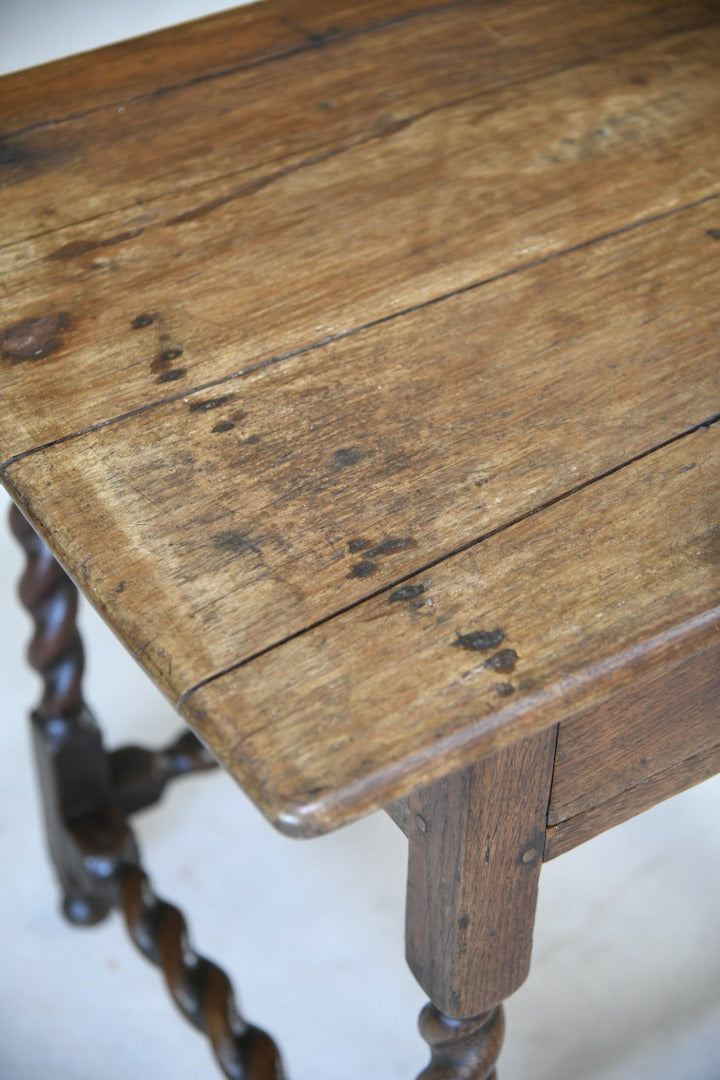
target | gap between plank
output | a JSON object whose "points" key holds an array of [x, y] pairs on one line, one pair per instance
{"points": [[312, 42], [318, 156], [300, 350], [702, 425]]}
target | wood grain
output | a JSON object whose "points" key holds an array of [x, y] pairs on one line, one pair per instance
{"points": [[212, 528], [606, 587], [211, 47], [646, 730], [369, 415], [576, 830], [475, 852], [263, 231]]}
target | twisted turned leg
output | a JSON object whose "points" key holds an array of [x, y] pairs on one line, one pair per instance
{"points": [[462, 1049], [87, 794]]}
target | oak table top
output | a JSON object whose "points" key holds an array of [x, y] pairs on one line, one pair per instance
{"points": [[360, 363]]}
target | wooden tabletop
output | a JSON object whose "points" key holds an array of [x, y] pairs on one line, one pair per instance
{"points": [[360, 362]]}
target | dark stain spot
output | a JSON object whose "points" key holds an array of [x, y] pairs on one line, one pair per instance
{"points": [[391, 546], [254, 439], [405, 592], [357, 544], [33, 339], [120, 587], [687, 468], [209, 403], [505, 660], [164, 359], [714, 234], [14, 153], [348, 455], [325, 105], [30, 156], [480, 640], [224, 425], [363, 569], [172, 376], [638, 80], [141, 321], [464, 922], [80, 247], [504, 689], [234, 542]]}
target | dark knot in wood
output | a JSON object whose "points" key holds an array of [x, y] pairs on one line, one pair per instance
{"points": [[462, 1049], [55, 651]]}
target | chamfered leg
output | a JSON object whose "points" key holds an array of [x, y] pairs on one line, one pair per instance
{"points": [[476, 841]]}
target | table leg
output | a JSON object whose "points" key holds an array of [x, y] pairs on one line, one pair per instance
{"points": [[87, 794], [69, 753], [476, 844]]}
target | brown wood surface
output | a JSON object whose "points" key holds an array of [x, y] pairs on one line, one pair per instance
{"points": [[608, 585], [650, 727], [212, 47], [476, 848], [241, 512], [265, 355], [322, 220], [684, 774]]}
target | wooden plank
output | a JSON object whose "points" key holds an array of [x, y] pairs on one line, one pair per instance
{"points": [[366, 86], [476, 849], [208, 47], [94, 80], [576, 830], [244, 268], [210, 529], [570, 605], [646, 730], [363, 85], [302, 720], [155, 142]]}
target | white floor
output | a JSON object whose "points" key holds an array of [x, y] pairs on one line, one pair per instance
{"points": [[626, 976]]}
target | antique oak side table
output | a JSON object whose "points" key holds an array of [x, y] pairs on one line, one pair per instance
{"points": [[359, 363]]}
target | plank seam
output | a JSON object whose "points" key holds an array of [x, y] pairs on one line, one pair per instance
{"points": [[312, 43], [447, 556], [318, 156], [300, 350]]}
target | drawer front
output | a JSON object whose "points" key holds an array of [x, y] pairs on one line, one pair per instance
{"points": [[644, 731]]}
